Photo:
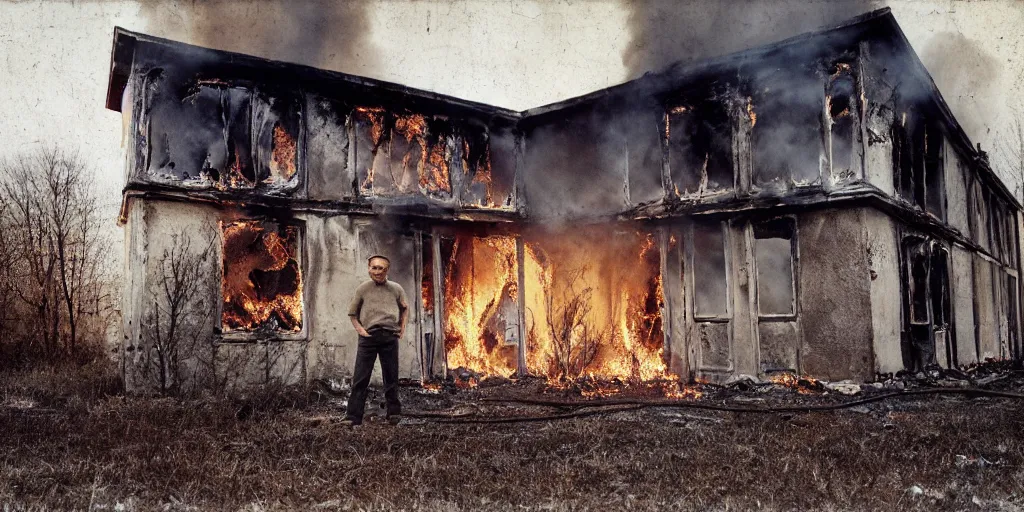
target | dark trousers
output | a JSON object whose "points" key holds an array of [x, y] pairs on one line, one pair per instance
{"points": [[384, 344]]}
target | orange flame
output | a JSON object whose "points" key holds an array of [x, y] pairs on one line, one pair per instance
{"points": [[282, 160], [262, 280], [750, 112], [481, 313]]}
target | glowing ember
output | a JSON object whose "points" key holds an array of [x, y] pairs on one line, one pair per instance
{"points": [[802, 385], [750, 112], [262, 282], [282, 160]]}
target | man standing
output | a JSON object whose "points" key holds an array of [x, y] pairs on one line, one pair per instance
{"points": [[378, 311]]}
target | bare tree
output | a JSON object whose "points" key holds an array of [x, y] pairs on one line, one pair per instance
{"points": [[576, 341], [53, 243], [180, 311]]}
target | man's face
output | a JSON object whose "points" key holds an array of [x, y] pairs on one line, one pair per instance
{"points": [[379, 270]]}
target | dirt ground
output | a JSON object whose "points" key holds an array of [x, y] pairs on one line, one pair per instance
{"points": [[95, 449]]}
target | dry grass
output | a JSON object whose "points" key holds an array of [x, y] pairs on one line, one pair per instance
{"points": [[87, 451]]}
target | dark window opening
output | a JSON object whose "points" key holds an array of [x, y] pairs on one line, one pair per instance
{"points": [[842, 111], [700, 148], [774, 256], [918, 262], [903, 158], [216, 147], [787, 129], [710, 289]]}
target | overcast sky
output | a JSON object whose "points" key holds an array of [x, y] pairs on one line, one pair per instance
{"points": [[55, 56]]}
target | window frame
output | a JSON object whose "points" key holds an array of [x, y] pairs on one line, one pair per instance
{"points": [[794, 266]]}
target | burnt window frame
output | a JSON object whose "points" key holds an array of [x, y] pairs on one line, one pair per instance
{"points": [[256, 336], [684, 103], [723, 228], [149, 85], [839, 72], [759, 87], [789, 223]]}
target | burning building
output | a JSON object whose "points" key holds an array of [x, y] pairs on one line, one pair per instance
{"points": [[811, 207]]}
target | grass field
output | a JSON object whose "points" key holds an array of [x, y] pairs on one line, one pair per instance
{"points": [[74, 442]]}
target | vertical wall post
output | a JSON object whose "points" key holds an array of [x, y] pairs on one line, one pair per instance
{"points": [[438, 303], [521, 300], [666, 295]]}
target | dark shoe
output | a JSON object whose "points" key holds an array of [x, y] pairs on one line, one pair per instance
{"points": [[394, 419]]}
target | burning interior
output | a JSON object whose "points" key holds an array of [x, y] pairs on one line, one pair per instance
{"points": [[262, 282], [753, 215]]}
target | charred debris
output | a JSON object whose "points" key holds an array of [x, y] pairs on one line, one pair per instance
{"points": [[807, 208]]}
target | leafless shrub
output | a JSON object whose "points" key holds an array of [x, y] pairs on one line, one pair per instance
{"points": [[576, 341], [54, 278], [175, 350]]}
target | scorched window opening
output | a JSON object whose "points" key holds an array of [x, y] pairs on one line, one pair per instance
{"points": [[261, 280]]}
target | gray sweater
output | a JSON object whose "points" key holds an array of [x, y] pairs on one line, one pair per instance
{"points": [[379, 305]]}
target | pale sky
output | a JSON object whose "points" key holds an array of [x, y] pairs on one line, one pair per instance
{"points": [[55, 55]]}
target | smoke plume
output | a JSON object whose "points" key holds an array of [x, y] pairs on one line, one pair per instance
{"points": [[668, 31], [326, 34]]}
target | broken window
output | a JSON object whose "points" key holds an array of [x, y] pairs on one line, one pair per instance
{"points": [[774, 256], [403, 154], [215, 147], [276, 121], [261, 287], [903, 157], [209, 133], [841, 104], [642, 144], [786, 129], [699, 148], [918, 170], [710, 288], [919, 269], [488, 167]]}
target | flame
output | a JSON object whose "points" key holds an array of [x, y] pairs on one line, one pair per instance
{"points": [[432, 164], [282, 159], [750, 112], [595, 315], [482, 173], [480, 313], [802, 385], [262, 282], [375, 116]]}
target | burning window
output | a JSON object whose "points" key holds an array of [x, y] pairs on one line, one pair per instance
{"points": [[276, 122], [710, 288], [774, 251], [786, 125], [261, 286], [841, 105], [699, 148], [403, 154], [481, 311]]}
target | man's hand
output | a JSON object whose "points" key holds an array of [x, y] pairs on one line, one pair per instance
{"points": [[401, 333], [362, 332]]}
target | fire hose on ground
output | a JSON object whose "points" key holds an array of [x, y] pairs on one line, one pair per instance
{"points": [[610, 406]]}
